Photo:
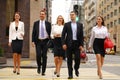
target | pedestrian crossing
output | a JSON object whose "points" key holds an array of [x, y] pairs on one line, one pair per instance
{"points": [[31, 74]]}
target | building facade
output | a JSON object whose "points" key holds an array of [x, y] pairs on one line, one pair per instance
{"points": [[90, 13], [110, 11]]}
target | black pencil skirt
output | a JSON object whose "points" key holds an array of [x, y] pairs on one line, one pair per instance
{"points": [[58, 50], [17, 46], [98, 46]]}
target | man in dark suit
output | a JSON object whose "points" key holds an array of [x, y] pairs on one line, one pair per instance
{"points": [[72, 40], [40, 36]]}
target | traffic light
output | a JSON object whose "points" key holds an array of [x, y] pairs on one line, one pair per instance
{"points": [[76, 9]]}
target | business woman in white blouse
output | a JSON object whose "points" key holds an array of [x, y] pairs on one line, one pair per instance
{"points": [[58, 50], [16, 34], [98, 34]]}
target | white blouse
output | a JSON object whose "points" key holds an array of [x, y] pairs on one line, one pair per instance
{"points": [[56, 29], [98, 32]]}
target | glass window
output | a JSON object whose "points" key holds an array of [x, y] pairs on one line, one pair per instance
{"points": [[111, 14], [115, 12], [107, 25], [119, 9], [102, 3], [108, 7], [108, 16], [105, 18], [104, 10], [115, 2], [115, 22], [119, 20], [111, 24], [111, 4]]}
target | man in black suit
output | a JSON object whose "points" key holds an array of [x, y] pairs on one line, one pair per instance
{"points": [[72, 40], [40, 36]]}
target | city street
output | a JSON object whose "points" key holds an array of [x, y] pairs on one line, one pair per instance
{"points": [[87, 71]]}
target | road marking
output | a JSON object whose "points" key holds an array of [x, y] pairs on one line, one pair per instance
{"points": [[31, 74]]}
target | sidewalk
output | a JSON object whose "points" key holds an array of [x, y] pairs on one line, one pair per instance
{"points": [[28, 70]]}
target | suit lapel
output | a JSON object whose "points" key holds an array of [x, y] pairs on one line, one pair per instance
{"points": [[70, 27], [37, 25]]}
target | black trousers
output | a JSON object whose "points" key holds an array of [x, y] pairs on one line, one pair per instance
{"points": [[73, 52], [41, 54]]}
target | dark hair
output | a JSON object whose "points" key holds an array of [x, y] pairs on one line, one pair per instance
{"points": [[73, 12], [62, 19], [14, 15], [103, 23]]}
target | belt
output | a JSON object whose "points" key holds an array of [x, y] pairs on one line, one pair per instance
{"points": [[43, 39]]}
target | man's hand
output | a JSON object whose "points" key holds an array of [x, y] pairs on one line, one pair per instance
{"points": [[81, 48], [64, 46], [57, 35], [33, 44]]}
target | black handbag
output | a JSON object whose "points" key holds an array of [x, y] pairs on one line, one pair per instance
{"points": [[50, 43]]}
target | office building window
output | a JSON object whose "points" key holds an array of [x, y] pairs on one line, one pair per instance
{"points": [[108, 25], [115, 22], [102, 3], [111, 4], [119, 9], [105, 18], [115, 2], [108, 16], [104, 10], [107, 7], [115, 12], [111, 14], [111, 24], [119, 20]]}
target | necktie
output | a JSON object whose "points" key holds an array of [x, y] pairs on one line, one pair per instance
{"points": [[42, 30]]}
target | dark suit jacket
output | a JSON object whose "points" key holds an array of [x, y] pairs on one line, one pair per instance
{"points": [[35, 33], [67, 34]]}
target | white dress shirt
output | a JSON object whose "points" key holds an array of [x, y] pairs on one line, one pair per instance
{"points": [[56, 29], [13, 34], [74, 30], [45, 32], [98, 32]]}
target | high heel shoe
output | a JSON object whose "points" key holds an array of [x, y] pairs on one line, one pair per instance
{"points": [[18, 73], [55, 72], [58, 75], [100, 77], [14, 71]]}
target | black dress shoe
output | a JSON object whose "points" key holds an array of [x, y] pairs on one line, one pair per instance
{"points": [[77, 73], [43, 74], [38, 70], [70, 77], [55, 72]]}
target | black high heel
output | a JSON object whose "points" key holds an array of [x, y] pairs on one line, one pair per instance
{"points": [[58, 74], [18, 73], [14, 71]]}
